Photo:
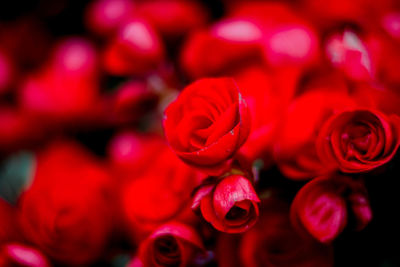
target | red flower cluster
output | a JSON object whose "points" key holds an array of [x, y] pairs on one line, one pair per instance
{"points": [[199, 133]]}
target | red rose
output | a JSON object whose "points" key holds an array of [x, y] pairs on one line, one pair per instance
{"points": [[173, 18], [132, 153], [104, 17], [207, 123], [158, 192], [326, 205], [272, 242], [347, 52], [136, 49], [358, 140], [67, 86], [173, 244], [295, 150], [14, 254], [66, 211], [227, 44], [230, 203]]}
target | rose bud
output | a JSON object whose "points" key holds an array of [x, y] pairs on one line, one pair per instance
{"points": [[159, 192], [229, 203], [207, 124], [135, 50], [349, 53], [295, 150], [104, 17], [66, 88], [325, 206], [267, 243], [64, 211], [173, 18], [358, 140], [18, 255], [172, 244], [227, 44]]}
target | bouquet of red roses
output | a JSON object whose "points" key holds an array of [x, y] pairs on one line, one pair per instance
{"points": [[199, 133]]}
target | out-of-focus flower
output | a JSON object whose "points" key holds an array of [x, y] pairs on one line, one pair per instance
{"points": [[172, 244], [159, 192], [17, 129], [208, 123], [349, 53], [295, 150], [133, 153], [64, 211], [327, 205], [358, 140], [66, 88], [172, 18], [272, 242], [14, 254], [228, 44], [136, 49], [287, 45], [104, 17]]}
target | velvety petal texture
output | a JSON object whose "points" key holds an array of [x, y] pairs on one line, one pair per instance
{"points": [[359, 140], [207, 123], [230, 204]]}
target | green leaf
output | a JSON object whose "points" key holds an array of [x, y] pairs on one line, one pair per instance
{"points": [[16, 175]]}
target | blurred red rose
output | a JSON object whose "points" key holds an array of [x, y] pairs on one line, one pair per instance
{"points": [[19, 255], [229, 203], [136, 49], [104, 17], [67, 86], [349, 53], [208, 123], [328, 204], [172, 244], [132, 153], [272, 242], [358, 140], [173, 18], [228, 44], [66, 211], [160, 191]]}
